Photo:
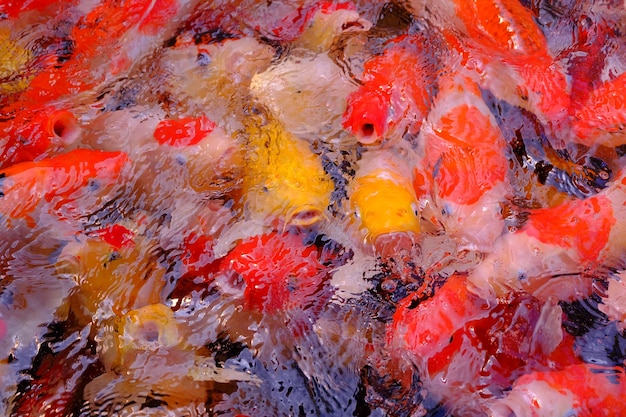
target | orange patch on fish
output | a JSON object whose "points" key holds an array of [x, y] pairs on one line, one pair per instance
{"points": [[58, 181], [583, 225], [186, 131], [467, 154], [602, 119], [30, 134]]}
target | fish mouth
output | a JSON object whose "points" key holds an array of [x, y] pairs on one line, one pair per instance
{"points": [[305, 216]]}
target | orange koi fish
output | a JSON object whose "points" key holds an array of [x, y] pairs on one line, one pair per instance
{"points": [[68, 186], [506, 30], [98, 38], [32, 133], [468, 350], [583, 390], [465, 163], [392, 97], [280, 271]]}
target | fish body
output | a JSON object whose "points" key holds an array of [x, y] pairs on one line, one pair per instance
{"points": [[468, 350], [101, 47], [283, 179], [557, 248], [67, 186], [500, 40], [30, 134], [120, 269], [280, 272], [392, 97], [464, 164], [601, 120]]}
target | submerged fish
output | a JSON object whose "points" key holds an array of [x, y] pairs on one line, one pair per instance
{"points": [[283, 179], [383, 199], [30, 134], [280, 272], [469, 350], [583, 390], [67, 186], [393, 98]]}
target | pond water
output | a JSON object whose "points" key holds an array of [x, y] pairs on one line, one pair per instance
{"points": [[302, 208]]}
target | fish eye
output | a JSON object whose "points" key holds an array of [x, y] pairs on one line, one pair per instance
{"points": [[93, 184], [203, 59]]}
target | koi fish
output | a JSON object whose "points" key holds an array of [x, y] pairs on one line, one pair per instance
{"points": [[100, 51], [282, 178], [306, 92], [468, 350], [31, 134], [524, 72], [464, 163], [391, 98], [547, 174], [582, 389], [57, 378], [198, 70], [280, 272], [600, 121], [382, 198], [554, 252], [213, 159], [111, 264], [67, 186], [317, 26], [148, 328]]}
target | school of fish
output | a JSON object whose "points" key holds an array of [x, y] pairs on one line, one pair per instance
{"points": [[314, 208]]}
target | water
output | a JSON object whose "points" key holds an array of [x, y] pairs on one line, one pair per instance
{"points": [[299, 208]]}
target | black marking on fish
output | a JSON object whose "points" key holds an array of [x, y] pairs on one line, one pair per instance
{"points": [[2, 178], [215, 35], [531, 148], [223, 349]]}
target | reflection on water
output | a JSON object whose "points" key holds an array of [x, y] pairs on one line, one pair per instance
{"points": [[239, 208]]}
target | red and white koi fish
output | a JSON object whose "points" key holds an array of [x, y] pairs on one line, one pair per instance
{"points": [[31, 134], [464, 164], [67, 186], [102, 51], [559, 248], [601, 120], [396, 91], [583, 390], [468, 350], [500, 41]]}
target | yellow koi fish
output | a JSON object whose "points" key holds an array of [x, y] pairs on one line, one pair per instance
{"points": [[283, 178], [383, 200]]}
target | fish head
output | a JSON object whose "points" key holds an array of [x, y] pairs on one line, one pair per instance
{"points": [[384, 203]]}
